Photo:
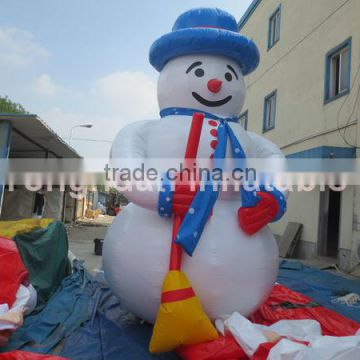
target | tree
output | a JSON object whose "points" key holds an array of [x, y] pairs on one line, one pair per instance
{"points": [[9, 107]]}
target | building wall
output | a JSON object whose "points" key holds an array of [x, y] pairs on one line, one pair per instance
{"points": [[18, 204], [295, 67], [70, 208], [298, 72], [53, 204], [302, 206]]}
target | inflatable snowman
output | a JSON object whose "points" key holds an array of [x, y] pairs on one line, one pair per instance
{"points": [[202, 64]]}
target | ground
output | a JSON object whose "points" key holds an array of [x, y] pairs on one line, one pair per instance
{"points": [[82, 235], [81, 240]]}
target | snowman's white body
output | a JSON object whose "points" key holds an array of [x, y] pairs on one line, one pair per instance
{"points": [[229, 270]]}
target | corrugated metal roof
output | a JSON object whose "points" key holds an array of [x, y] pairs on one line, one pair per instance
{"points": [[30, 132]]}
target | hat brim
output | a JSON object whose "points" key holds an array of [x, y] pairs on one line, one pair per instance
{"points": [[205, 41]]}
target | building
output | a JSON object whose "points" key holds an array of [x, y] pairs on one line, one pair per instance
{"points": [[28, 137], [304, 96]]}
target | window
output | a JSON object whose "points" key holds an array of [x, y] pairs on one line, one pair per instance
{"points": [[269, 112], [243, 119], [337, 77], [274, 28]]}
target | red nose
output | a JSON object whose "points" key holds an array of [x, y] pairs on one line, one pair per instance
{"points": [[214, 85]]}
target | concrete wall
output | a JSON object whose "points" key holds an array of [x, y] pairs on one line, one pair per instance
{"points": [[355, 244], [69, 213], [301, 208], [17, 204], [295, 67], [53, 204]]}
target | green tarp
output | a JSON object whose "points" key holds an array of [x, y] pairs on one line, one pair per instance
{"points": [[44, 252]]}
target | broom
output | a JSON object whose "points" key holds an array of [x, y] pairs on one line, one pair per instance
{"points": [[181, 319]]}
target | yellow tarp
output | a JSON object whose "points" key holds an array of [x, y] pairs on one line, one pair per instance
{"points": [[10, 229]]}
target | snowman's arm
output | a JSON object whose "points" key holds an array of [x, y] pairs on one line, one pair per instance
{"points": [[128, 152], [265, 149]]}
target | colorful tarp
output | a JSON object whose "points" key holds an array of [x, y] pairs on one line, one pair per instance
{"points": [[12, 273], [92, 322], [10, 229], [283, 304], [321, 286], [94, 325], [65, 312], [23, 355], [43, 246]]}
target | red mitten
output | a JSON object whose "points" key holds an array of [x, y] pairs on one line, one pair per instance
{"points": [[252, 219], [183, 195]]}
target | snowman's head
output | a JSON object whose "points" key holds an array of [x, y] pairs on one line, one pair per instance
{"points": [[210, 83]]}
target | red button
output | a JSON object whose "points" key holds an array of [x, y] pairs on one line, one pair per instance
{"points": [[211, 156], [213, 144], [213, 132], [213, 123]]}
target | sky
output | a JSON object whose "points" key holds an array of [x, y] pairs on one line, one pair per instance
{"points": [[85, 61]]}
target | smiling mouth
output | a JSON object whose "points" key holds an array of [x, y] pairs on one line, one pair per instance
{"points": [[209, 103]]}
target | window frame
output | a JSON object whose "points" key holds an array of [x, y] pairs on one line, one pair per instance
{"points": [[246, 115], [271, 18], [328, 61], [266, 99]]}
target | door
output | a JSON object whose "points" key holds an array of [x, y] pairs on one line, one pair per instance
{"points": [[329, 226]]}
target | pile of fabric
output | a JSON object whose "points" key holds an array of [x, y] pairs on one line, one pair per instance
{"points": [[88, 322], [29, 273], [77, 317], [288, 326], [38, 241], [17, 296]]}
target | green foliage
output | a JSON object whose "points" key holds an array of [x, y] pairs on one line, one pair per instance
{"points": [[100, 188], [118, 198], [123, 200], [9, 107], [114, 196]]}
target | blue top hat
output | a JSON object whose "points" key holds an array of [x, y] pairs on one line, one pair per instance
{"points": [[205, 31]]}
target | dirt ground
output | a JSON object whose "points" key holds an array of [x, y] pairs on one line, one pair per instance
{"points": [[81, 240]]}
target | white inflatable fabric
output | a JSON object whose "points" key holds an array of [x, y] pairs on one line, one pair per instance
{"points": [[250, 336], [25, 303], [172, 87], [229, 270]]}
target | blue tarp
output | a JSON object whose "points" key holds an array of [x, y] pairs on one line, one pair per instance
{"points": [[67, 309], [111, 333], [321, 286], [90, 322], [101, 339]]}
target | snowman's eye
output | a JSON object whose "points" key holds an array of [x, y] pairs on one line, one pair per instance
{"points": [[228, 76], [199, 72]]}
